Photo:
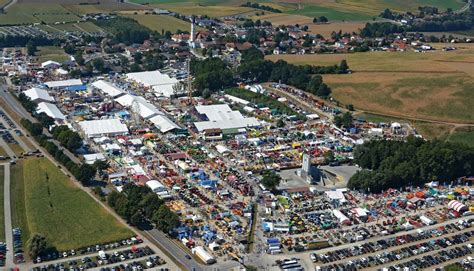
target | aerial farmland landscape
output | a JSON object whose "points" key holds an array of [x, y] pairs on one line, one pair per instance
{"points": [[236, 135]]}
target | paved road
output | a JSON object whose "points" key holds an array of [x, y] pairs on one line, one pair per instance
{"points": [[178, 253], [8, 216]]}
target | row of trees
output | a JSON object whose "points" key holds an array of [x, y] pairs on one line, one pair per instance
{"points": [[448, 21], [262, 7], [306, 77], [214, 74], [395, 164], [67, 137], [125, 30], [211, 73], [139, 205]]}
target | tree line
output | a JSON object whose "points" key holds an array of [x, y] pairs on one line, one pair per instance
{"points": [[414, 162], [139, 205], [262, 7], [448, 21], [214, 74], [125, 30]]}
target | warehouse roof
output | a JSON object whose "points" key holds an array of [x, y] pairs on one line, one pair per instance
{"points": [[50, 110], [164, 90], [151, 78], [163, 123], [147, 110], [219, 112], [36, 94], [103, 127], [221, 116], [227, 124], [108, 88], [63, 83]]}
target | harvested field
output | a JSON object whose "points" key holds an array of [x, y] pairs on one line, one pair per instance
{"points": [[435, 86], [323, 29]]}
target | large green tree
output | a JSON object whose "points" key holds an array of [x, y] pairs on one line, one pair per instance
{"points": [[37, 245], [165, 219]]}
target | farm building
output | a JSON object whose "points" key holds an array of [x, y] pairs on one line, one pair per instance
{"points": [[51, 110], [105, 127], [38, 95]]}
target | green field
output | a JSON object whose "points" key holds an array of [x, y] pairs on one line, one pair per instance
{"points": [[160, 23], [333, 14], [46, 53], [36, 13], [46, 201], [463, 135]]}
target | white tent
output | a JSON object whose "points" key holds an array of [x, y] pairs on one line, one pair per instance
{"points": [[146, 109], [108, 88], [221, 116], [155, 186], [38, 95], [50, 110], [162, 84], [63, 83], [163, 123], [98, 128]]}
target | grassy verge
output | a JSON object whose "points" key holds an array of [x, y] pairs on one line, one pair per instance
{"points": [[2, 215], [16, 148], [46, 53], [17, 191], [3, 152], [47, 202], [462, 135]]}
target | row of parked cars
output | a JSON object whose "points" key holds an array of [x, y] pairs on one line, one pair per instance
{"points": [[432, 246], [18, 246], [7, 119], [438, 258], [151, 262], [119, 256], [88, 250], [3, 253], [371, 247], [104, 258]]}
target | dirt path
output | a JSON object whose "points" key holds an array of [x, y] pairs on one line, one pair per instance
{"points": [[457, 124]]}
